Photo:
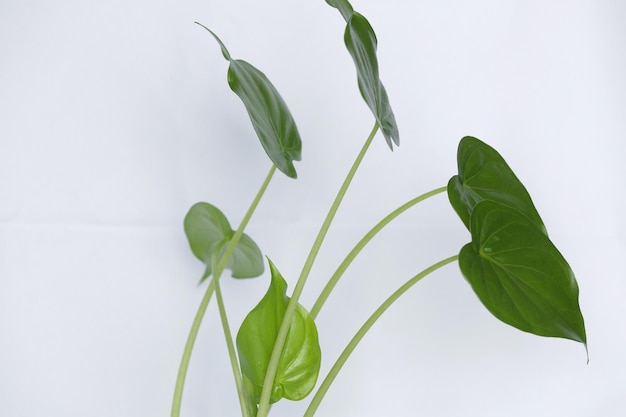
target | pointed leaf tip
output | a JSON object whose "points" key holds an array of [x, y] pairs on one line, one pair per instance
{"points": [[301, 357], [270, 116]]}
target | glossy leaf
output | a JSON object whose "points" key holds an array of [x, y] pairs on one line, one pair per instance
{"points": [[269, 114], [300, 360], [209, 232], [519, 275], [484, 175], [361, 42]]}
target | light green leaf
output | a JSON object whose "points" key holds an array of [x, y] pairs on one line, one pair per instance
{"points": [[519, 275], [209, 232], [269, 114], [301, 357], [484, 175]]}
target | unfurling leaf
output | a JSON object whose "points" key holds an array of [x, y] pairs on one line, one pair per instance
{"points": [[361, 43], [301, 356], [209, 232], [519, 275], [269, 114], [484, 175]]}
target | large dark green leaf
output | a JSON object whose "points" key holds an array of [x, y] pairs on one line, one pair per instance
{"points": [[209, 232], [301, 357], [269, 114], [484, 175], [361, 42], [519, 275]]}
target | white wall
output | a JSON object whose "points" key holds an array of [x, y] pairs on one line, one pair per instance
{"points": [[115, 117]]}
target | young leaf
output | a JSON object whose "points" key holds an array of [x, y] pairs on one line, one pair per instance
{"points": [[269, 114], [519, 275], [300, 360], [208, 232], [484, 175]]}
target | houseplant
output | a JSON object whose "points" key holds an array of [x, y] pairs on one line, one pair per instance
{"points": [[511, 264]]}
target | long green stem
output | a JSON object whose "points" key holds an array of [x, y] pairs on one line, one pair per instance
{"points": [[293, 303], [232, 355], [332, 374], [362, 243], [217, 272]]}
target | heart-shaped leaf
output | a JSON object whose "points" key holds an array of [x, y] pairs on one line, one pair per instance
{"points": [[301, 357], [209, 232], [519, 275], [484, 175], [269, 114], [361, 42]]}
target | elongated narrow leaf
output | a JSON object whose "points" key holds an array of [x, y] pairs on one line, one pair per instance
{"points": [[301, 357], [361, 42], [209, 232], [484, 175], [269, 114], [519, 275]]}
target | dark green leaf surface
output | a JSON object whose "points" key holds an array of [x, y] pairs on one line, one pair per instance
{"points": [[519, 275], [269, 114], [344, 7], [300, 360], [484, 175], [361, 42], [208, 232]]}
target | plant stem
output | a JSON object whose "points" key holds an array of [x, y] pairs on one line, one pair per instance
{"points": [[232, 355], [195, 326], [362, 243], [293, 303], [332, 374]]}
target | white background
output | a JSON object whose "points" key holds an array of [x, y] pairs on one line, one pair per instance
{"points": [[115, 117]]}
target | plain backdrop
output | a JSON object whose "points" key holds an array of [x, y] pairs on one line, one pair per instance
{"points": [[115, 118]]}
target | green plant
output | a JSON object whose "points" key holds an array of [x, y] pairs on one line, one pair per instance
{"points": [[511, 264]]}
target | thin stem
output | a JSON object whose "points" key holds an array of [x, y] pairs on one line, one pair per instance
{"points": [[270, 374], [217, 272], [362, 243], [232, 355], [191, 340], [332, 374]]}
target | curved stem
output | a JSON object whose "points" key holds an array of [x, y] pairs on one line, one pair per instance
{"points": [[293, 303], [362, 243], [217, 272], [191, 340], [332, 374]]}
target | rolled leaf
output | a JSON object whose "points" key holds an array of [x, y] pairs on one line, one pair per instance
{"points": [[519, 275], [269, 114], [484, 175], [209, 232], [301, 357]]}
